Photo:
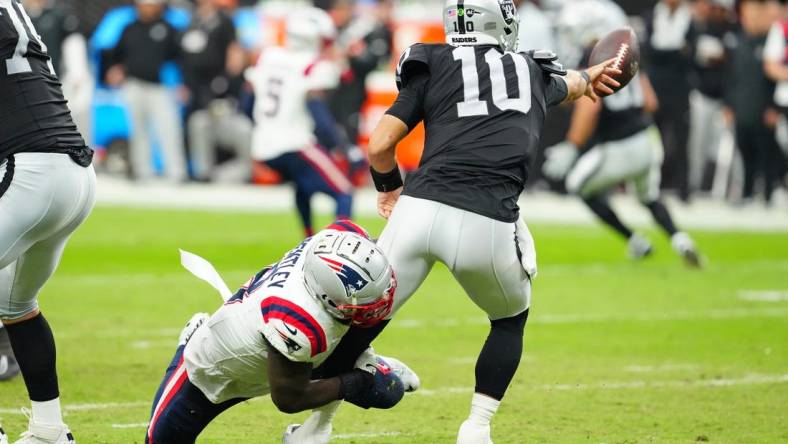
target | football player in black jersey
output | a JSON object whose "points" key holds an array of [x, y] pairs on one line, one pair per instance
{"points": [[625, 145], [483, 106], [46, 190]]}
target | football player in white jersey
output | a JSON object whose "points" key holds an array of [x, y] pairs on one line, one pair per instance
{"points": [[294, 125], [266, 338], [625, 144]]}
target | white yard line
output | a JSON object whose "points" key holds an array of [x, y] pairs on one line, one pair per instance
{"points": [[365, 435], [86, 407], [135, 425], [633, 385], [537, 318], [661, 368], [764, 295], [752, 379]]}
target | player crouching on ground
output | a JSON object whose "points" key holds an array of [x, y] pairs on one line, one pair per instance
{"points": [[266, 338]]}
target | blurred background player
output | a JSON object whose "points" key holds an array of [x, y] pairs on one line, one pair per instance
{"points": [[294, 126], [213, 62], [714, 31], [266, 338], [538, 32], [775, 59], [365, 43], [147, 44], [460, 207], [667, 53], [750, 98], [624, 144], [47, 189]]}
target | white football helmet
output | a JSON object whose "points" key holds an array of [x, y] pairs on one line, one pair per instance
{"points": [[581, 23], [481, 22], [309, 30], [351, 276]]}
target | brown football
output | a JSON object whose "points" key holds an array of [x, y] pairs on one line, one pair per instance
{"points": [[623, 45]]}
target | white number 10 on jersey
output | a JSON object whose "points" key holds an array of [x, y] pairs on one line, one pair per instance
{"points": [[472, 106], [18, 63]]}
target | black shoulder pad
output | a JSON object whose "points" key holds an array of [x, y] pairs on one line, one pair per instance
{"points": [[415, 59], [548, 61]]}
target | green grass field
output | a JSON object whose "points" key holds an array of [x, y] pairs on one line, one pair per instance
{"points": [[616, 352]]}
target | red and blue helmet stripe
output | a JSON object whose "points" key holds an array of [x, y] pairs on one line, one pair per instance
{"points": [[348, 226]]}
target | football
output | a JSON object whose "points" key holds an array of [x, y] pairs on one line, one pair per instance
{"points": [[623, 45]]}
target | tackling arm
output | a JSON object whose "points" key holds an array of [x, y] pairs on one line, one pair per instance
{"points": [[293, 391]]}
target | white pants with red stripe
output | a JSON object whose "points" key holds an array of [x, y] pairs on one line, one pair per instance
{"points": [[494, 261]]}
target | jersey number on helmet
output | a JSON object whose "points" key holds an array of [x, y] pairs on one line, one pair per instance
{"points": [[472, 106], [18, 63]]}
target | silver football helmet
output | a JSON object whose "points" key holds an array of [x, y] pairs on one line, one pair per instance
{"points": [[309, 30], [481, 22], [582, 23], [351, 277]]}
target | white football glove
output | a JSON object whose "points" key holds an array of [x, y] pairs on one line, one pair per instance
{"points": [[368, 361], [559, 160]]}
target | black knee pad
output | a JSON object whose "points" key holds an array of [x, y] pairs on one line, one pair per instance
{"points": [[515, 324]]}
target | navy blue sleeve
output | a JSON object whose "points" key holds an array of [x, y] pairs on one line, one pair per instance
{"points": [[325, 126]]}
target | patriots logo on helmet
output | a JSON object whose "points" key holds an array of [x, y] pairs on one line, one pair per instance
{"points": [[349, 277]]}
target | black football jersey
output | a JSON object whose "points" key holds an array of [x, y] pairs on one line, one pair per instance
{"points": [[34, 116], [483, 112]]}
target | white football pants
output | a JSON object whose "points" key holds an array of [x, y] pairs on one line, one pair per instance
{"points": [[637, 158], [493, 261], [48, 198]]}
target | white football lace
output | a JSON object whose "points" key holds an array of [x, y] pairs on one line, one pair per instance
{"points": [[622, 51]]}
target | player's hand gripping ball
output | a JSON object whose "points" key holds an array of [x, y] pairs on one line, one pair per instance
{"points": [[622, 45]]}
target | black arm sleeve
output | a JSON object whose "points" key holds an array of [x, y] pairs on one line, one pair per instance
{"points": [[409, 106], [556, 90]]}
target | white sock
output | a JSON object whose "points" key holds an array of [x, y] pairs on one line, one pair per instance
{"points": [[482, 409], [47, 412], [320, 417]]}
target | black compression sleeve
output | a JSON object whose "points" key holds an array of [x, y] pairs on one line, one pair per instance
{"points": [[409, 106], [556, 90], [355, 382]]}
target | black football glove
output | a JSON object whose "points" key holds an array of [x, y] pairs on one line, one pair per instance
{"points": [[386, 391]]}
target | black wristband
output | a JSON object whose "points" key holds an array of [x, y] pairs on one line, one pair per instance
{"points": [[586, 77], [385, 182], [355, 382]]}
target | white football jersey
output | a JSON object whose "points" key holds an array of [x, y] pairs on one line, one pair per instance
{"points": [[227, 356], [282, 79]]}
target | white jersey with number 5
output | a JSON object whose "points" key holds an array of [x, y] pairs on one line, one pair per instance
{"points": [[282, 81]]}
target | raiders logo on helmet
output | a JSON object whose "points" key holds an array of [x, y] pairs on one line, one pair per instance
{"points": [[508, 10]]}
